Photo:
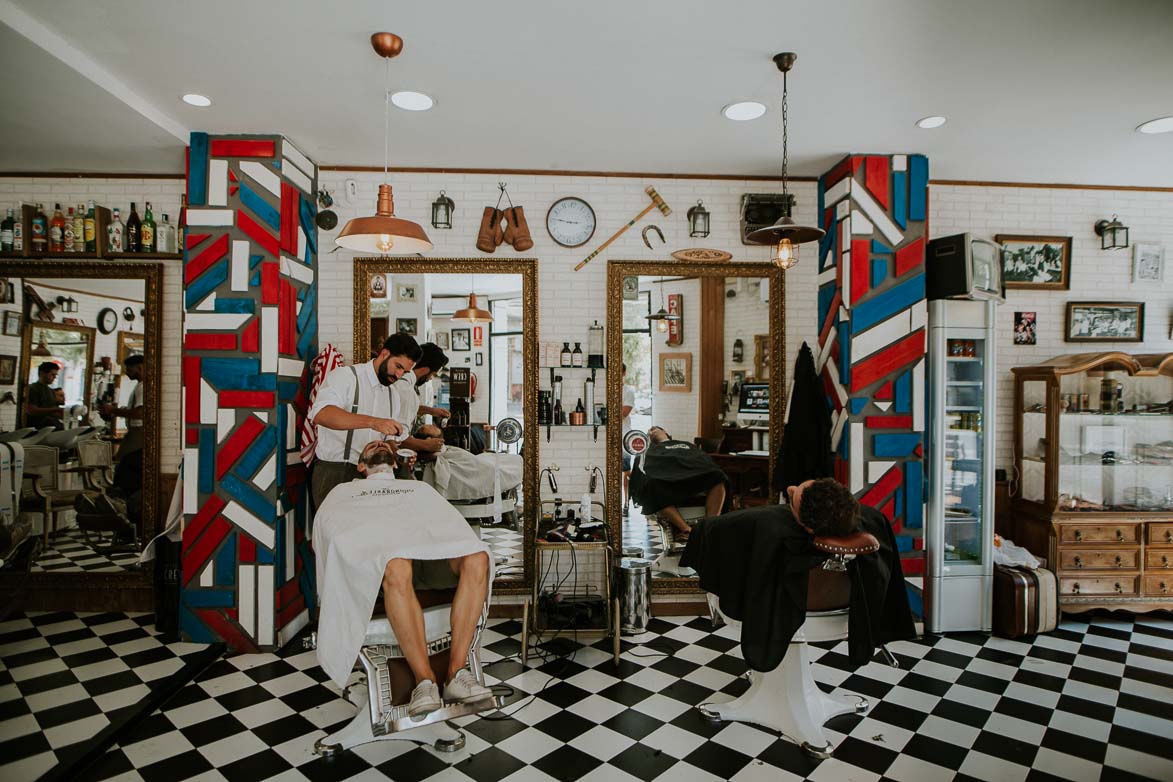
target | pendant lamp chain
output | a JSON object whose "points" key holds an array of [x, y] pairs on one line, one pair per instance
{"points": [[387, 116], [785, 145]]}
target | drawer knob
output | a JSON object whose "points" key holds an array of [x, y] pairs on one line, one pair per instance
{"points": [[1079, 562], [1075, 588], [1164, 589], [1119, 534], [1165, 560], [1119, 562], [1169, 536], [1079, 534], [1119, 588]]}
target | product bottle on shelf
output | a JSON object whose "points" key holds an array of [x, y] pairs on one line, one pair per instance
{"points": [[181, 229], [18, 231], [564, 358], [165, 236], [40, 230], [116, 233], [576, 355], [68, 243], [133, 242], [91, 227], [6, 231], [588, 393], [147, 239], [558, 414], [57, 230], [79, 229]]}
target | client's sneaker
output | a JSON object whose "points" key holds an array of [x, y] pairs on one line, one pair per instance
{"points": [[425, 699], [464, 688]]}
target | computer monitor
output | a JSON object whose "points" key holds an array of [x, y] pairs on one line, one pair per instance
{"points": [[755, 399]]}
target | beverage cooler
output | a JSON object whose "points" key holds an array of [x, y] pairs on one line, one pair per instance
{"points": [[959, 526]]}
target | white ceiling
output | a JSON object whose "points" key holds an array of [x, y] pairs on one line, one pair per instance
{"points": [[1046, 90]]}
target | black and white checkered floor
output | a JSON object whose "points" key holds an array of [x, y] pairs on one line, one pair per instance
{"points": [[1088, 702], [68, 552], [508, 551], [640, 532], [68, 678]]}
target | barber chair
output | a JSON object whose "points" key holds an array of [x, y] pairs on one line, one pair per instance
{"points": [[479, 512], [382, 702], [787, 699], [669, 559]]}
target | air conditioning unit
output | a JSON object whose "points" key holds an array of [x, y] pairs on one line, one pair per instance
{"points": [[759, 210]]}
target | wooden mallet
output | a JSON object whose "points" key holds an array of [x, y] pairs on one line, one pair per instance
{"points": [[657, 203]]}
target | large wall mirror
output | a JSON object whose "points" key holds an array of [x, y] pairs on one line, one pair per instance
{"points": [[491, 376], [703, 349], [79, 414]]}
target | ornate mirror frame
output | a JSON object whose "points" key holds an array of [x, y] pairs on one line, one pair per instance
{"points": [[527, 268], [130, 589], [616, 271]]}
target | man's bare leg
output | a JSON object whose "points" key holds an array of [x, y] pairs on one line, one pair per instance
{"points": [[677, 520], [715, 500], [407, 618], [473, 573]]}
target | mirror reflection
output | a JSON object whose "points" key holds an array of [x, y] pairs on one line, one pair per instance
{"points": [[71, 406], [696, 379], [476, 325]]}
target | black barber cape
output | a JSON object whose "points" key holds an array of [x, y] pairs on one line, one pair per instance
{"points": [[670, 473], [757, 560]]}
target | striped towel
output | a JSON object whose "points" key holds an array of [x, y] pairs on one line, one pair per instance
{"points": [[317, 370]]}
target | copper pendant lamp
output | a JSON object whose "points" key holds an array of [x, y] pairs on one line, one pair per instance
{"points": [[472, 313], [786, 235], [385, 233]]}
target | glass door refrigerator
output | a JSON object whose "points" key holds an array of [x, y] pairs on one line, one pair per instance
{"points": [[959, 526]]}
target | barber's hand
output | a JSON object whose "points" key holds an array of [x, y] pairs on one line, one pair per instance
{"points": [[441, 413], [431, 445], [388, 427]]}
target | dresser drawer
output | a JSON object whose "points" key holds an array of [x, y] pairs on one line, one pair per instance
{"points": [[1158, 559], [1097, 585], [1085, 559], [1160, 533], [1099, 533], [1159, 585]]}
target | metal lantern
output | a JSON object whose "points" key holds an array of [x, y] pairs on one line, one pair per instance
{"points": [[68, 304], [1113, 234], [738, 351], [442, 209], [698, 221]]}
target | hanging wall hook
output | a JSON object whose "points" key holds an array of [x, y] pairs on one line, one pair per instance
{"points": [[655, 228]]}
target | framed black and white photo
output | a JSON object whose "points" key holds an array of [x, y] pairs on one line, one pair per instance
{"points": [[1035, 262], [406, 325], [480, 359], [11, 324], [7, 370], [7, 292], [1148, 262], [405, 293], [442, 340], [1095, 321], [1024, 328], [461, 340], [676, 372]]}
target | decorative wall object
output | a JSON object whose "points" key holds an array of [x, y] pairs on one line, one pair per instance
{"points": [[676, 372], [1025, 324], [461, 340], [761, 357], [442, 340], [676, 319], [11, 324], [250, 329], [1116, 321], [405, 293], [1039, 262], [407, 325], [7, 370], [480, 359], [872, 322], [1148, 262], [378, 286]]}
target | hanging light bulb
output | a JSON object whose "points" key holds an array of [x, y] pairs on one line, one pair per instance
{"points": [[785, 254], [662, 324]]}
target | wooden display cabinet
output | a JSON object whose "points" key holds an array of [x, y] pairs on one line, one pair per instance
{"points": [[1093, 480]]}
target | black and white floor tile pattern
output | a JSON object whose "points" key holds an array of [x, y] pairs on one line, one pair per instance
{"points": [[1088, 702], [66, 678], [508, 550], [640, 532], [69, 552]]}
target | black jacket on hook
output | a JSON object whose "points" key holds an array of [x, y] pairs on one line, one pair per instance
{"points": [[806, 441]]}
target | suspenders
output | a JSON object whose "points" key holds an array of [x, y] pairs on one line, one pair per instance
{"points": [[354, 409]]}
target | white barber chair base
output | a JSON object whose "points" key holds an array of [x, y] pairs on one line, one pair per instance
{"points": [[787, 699]]}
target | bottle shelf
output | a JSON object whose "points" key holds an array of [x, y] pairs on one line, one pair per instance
{"points": [[88, 256], [556, 368]]}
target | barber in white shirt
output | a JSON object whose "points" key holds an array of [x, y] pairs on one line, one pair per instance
{"points": [[410, 387], [358, 404]]}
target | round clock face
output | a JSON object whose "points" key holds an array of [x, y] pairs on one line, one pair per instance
{"points": [[571, 222], [107, 320]]}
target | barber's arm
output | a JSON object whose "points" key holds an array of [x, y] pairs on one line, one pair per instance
{"points": [[424, 444], [330, 411], [435, 412]]}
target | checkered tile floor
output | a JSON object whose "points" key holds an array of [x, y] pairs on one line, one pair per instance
{"points": [[68, 552], [643, 533], [66, 677], [506, 544], [1088, 702]]}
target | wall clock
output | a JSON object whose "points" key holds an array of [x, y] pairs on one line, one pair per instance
{"points": [[107, 321], [571, 222]]}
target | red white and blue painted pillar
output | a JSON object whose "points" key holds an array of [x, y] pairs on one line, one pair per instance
{"points": [[872, 334], [250, 328]]}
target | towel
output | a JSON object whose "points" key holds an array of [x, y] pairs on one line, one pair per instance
{"points": [[460, 475], [328, 359]]}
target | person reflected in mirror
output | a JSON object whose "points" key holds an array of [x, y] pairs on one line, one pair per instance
{"points": [[625, 414], [417, 398], [128, 467], [44, 403], [673, 472]]}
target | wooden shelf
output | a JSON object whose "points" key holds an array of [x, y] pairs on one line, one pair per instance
{"points": [[92, 256]]}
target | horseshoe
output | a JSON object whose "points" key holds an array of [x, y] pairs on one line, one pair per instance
{"points": [[655, 228]]}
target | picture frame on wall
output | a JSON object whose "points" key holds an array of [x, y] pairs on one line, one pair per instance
{"points": [[378, 286], [461, 340], [407, 325], [480, 359], [1099, 321], [1025, 328], [676, 372], [7, 370], [405, 293], [1035, 262], [11, 324], [1148, 262], [7, 292], [442, 340]]}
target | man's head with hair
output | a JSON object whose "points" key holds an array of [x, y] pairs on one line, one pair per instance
{"points": [[134, 366], [824, 507], [48, 368], [657, 434], [377, 456], [428, 432], [431, 361], [399, 354]]}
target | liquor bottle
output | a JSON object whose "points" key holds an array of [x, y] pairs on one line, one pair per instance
{"points": [[68, 244], [91, 228], [116, 233], [40, 230], [165, 236], [544, 412], [6, 229], [559, 416], [147, 238], [133, 242], [576, 355], [57, 231], [181, 230], [18, 231], [565, 356], [79, 229]]}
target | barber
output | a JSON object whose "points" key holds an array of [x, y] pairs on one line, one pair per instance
{"points": [[358, 404], [411, 388]]}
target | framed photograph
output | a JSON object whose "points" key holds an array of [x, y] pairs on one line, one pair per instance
{"points": [[378, 286], [405, 293], [1024, 328], [461, 340], [1148, 262], [11, 324], [1096, 321], [130, 344], [1036, 262], [480, 359], [7, 370], [7, 292], [407, 325], [442, 340], [676, 372]]}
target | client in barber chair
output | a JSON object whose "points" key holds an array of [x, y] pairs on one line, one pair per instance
{"points": [[672, 472], [377, 531]]}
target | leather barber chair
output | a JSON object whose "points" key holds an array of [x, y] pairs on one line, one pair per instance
{"points": [[668, 560], [787, 699]]}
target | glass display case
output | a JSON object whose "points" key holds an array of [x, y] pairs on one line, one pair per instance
{"points": [[1094, 468]]}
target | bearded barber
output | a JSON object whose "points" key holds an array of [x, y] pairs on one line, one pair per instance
{"points": [[355, 405], [411, 388]]}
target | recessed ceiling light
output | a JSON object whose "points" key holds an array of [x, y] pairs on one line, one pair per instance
{"points": [[746, 110], [1159, 125], [412, 101], [930, 122], [196, 100]]}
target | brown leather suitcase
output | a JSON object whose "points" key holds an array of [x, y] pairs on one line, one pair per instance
{"points": [[1026, 602]]}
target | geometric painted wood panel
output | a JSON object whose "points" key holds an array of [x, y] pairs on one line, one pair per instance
{"points": [[249, 331], [872, 334]]}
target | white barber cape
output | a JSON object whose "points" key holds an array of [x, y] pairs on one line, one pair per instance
{"points": [[361, 526], [460, 475]]}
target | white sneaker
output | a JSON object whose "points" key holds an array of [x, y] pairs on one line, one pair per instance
{"points": [[425, 699], [464, 688]]}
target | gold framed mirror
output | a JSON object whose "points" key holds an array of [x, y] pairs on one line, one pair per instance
{"points": [[716, 311], [492, 370]]}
